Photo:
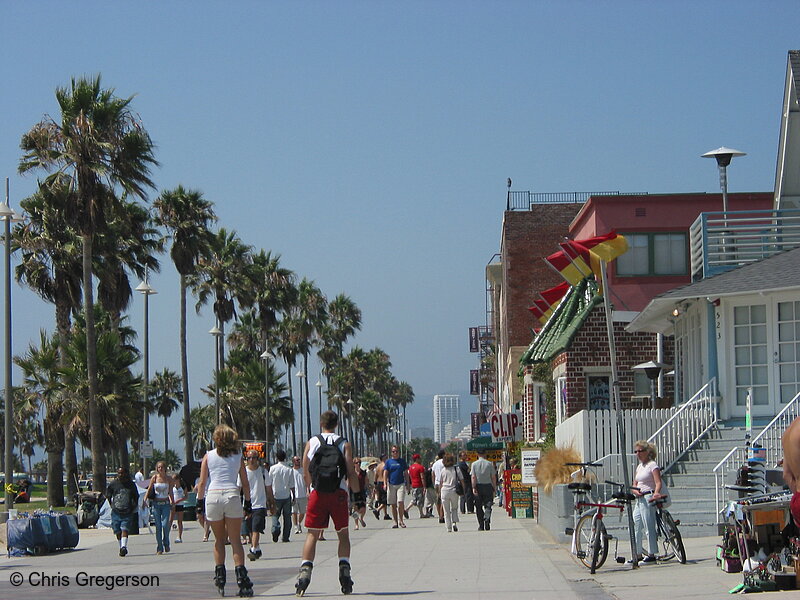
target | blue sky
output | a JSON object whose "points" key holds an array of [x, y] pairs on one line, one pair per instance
{"points": [[369, 143]]}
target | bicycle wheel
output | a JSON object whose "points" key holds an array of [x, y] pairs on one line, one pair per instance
{"points": [[584, 542], [673, 543], [599, 547]]}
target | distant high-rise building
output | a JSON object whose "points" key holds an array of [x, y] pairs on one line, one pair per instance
{"points": [[446, 409]]}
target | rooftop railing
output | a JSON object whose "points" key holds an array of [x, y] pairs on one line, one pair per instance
{"points": [[524, 200], [720, 241]]}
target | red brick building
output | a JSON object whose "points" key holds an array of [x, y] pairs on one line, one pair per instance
{"points": [[656, 227]]}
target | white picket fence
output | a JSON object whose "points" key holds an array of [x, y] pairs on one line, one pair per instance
{"points": [[593, 433]]}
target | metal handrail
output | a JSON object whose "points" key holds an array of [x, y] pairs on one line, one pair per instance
{"points": [[768, 438], [522, 200], [693, 419]]}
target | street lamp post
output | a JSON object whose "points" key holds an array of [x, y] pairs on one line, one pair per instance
{"points": [[350, 405], [723, 157], [8, 215], [216, 332], [652, 369], [300, 375], [266, 356], [147, 291], [319, 392]]}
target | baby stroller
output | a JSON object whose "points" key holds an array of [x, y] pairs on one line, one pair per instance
{"points": [[87, 508]]}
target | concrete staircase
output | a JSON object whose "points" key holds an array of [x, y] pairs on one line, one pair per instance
{"points": [[691, 480]]}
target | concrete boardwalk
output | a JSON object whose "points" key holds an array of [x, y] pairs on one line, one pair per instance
{"points": [[515, 560]]}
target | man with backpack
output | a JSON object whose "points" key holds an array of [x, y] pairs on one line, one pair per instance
{"points": [[328, 467], [123, 495]]}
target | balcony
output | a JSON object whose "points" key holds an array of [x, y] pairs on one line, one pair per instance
{"points": [[721, 241]]}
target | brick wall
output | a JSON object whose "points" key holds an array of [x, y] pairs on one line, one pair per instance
{"points": [[589, 351], [527, 237]]}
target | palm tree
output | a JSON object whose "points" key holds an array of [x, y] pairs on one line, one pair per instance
{"points": [[204, 420], [344, 319], [312, 313], [50, 265], [166, 392], [222, 274], [100, 145], [187, 216]]}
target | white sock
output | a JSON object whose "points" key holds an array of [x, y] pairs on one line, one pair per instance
{"points": [[347, 559], [307, 562], [123, 542]]}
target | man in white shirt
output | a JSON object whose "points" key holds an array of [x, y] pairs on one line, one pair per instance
{"points": [[300, 495], [260, 496], [484, 486], [437, 469], [282, 476]]}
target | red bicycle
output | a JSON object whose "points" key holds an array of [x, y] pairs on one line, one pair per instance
{"points": [[589, 535]]}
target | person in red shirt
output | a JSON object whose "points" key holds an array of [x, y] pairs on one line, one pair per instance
{"points": [[416, 473]]}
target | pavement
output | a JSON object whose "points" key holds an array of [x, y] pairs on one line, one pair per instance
{"points": [[517, 559]]}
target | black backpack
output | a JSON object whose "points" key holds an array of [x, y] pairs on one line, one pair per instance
{"points": [[328, 467]]}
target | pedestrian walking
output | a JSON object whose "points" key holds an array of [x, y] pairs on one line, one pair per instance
{"points": [[176, 516], [484, 485], [300, 502], [358, 504], [437, 472], [467, 500], [159, 493], [328, 468], [261, 497], [395, 479], [282, 476], [380, 491], [416, 475], [430, 492], [219, 498], [449, 480], [123, 495]]}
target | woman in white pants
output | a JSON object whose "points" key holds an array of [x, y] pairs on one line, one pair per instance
{"points": [[447, 490], [647, 488]]}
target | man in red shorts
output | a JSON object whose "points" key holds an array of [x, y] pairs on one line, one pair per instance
{"points": [[328, 467]]}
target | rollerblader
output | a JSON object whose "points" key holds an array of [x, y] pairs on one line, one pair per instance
{"points": [[222, 504], [328, 468]]}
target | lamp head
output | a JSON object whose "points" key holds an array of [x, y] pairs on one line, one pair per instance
{"points": [[723, 155]]}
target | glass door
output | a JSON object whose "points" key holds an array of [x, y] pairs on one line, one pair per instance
{"points": [[787, 356], [751, 368]]}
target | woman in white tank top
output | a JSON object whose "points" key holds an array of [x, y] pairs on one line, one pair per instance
{"points": [[222, 504]]}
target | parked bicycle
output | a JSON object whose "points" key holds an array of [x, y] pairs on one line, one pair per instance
{"points": [[589, 535], [668, 533]]}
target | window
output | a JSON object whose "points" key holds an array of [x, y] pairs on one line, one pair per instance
{"points": [[653, 254]]}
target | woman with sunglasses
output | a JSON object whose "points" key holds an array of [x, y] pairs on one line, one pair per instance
{"points": [[647, 488]]}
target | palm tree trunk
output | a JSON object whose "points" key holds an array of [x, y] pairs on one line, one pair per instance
{"points": [[122, 450], [166, 437], [187, 420], [54, 446], [291, 397], [70, 463], [95, 415], [308, 404]]}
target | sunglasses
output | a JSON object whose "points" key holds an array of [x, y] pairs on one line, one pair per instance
{"points": [[642, 450]]}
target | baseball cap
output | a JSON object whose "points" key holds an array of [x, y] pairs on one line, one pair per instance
{"points": [[415, 457]]}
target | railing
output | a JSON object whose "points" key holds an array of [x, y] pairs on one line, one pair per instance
{"points": [[689, 423], [593, 433], [719, 241], [769, 438], [524, 200]]}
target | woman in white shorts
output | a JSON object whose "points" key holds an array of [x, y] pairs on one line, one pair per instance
{"points": [[222, 504]]}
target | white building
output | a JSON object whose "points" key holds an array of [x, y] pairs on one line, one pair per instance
{"points": [[446, 409]]}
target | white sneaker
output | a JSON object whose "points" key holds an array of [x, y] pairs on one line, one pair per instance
{"points": [[178, 541]]}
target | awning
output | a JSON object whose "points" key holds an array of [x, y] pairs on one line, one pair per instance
{"points": [[564, 323]]}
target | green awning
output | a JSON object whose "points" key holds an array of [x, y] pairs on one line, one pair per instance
{"points": [[563, 324]]}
